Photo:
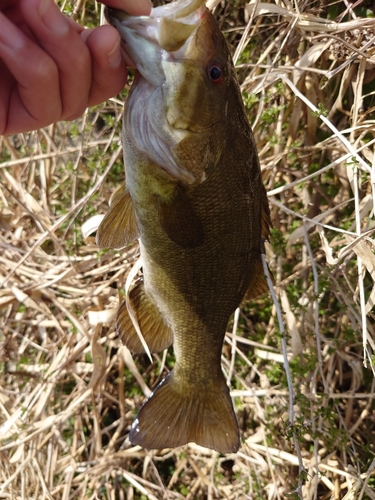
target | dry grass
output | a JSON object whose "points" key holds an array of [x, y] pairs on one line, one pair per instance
{"points": [[69, 391]]}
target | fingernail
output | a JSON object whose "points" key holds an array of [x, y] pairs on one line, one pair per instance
{"points": [[53, 18], [10, 35], [114, 57]]}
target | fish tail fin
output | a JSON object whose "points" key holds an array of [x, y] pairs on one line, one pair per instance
{"points": [[177, 413]]}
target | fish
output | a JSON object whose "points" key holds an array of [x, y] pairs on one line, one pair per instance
{"points": [[195, 200]]}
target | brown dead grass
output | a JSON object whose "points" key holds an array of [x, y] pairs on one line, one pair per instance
{"points": [[69, 391]]}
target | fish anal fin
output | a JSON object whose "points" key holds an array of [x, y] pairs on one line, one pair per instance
{"points": [[179, 220], [156, 332], [177, 413], [119, 226]]}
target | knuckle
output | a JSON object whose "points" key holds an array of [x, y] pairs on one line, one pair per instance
{"points": [[81, 61], [44, 71]]}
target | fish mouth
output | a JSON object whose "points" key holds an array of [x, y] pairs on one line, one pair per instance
{"points": [[157, 43], [163, 36]]}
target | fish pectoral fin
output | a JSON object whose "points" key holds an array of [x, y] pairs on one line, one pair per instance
{"points": [[119, 226], [179, 220], [155, 330], [178, 413]]}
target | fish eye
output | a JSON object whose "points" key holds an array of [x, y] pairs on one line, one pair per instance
{"points": [[216, 73]]}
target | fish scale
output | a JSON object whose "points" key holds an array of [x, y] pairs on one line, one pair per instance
{"points": [[195, 199]]}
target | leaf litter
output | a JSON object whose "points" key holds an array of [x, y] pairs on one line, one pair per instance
{"points": [[69, 390]]}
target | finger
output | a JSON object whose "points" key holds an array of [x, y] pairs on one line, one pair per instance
{"points": [[33, 91], [6, 3], [6, 88], [108, 68], [139, 8], [57, 36]]}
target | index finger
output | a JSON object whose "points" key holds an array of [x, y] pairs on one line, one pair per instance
{"points": [[6, 3]]}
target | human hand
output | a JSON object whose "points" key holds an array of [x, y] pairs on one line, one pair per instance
{"points": [[51, 67]]}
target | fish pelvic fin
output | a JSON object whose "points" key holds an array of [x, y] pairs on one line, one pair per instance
{"points": [[179, 220], [177, 413], [155, 330], [119, 226]]}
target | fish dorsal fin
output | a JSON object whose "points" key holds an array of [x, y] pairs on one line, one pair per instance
{"points": [[178, 412], [258, 285], [155, 330], [266, 215], [119, 226], [179, 220]]}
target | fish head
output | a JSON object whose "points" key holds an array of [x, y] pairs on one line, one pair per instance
{"points": [[177, 107]]}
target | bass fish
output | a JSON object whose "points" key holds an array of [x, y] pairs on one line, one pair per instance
{"points": [[195, 200]]}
